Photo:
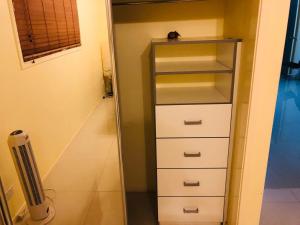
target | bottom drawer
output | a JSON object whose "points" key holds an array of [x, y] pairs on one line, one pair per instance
{"points": [[190, 209]]}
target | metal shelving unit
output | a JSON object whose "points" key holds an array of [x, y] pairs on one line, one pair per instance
{"points": [[211, 68]]}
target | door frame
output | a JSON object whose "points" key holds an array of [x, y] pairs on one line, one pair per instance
{"points": [[272, 27], [109, 16], [273, 18]]}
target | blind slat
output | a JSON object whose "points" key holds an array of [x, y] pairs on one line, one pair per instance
{"points": [[46, 26]]}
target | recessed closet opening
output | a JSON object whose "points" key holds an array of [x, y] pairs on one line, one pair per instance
{"points": [[216, 42]]}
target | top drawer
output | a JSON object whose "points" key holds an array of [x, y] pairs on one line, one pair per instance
{"points": [[193, 120]]}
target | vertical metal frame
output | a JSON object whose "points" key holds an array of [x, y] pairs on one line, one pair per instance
{"points": [[5, 217], [111, 35], [153, 95], [237, 56]]}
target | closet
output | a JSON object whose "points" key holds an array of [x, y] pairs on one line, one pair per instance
{"points": [[178, 102], [195, 84]]}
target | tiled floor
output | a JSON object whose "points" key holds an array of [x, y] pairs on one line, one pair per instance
{"points": [[86, 179], [284, 160], [281, 205]]}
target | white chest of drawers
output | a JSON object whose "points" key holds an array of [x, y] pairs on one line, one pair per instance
{"points": [[194, 119]]}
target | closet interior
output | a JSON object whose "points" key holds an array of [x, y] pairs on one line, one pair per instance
{"points": [[176, 164]]}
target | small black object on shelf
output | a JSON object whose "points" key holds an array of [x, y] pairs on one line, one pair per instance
{"points": [[173, 35]]}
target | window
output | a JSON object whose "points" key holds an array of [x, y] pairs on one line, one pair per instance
{"points": [[46, 26]]}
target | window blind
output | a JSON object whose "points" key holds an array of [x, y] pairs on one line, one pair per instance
{"points": [[46, 26]]}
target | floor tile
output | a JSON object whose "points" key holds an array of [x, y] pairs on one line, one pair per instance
{"points": [[280, 213], [105, 209], [279, 195], [90, 146], [71, 207], [71, 174], [284, 158], [296, 193], [281, 205], [86, 178], [267, 217], [103, 120], [109, 179]]}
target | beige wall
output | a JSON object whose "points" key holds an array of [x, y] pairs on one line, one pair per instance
{"points": [[104, 38], [135, 26], [263, 30], [266, 71], [50, 100]]}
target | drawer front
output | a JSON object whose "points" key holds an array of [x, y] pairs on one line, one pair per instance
{"points": [[192, 152], [190, 209], [191, 182], [193, 120]]}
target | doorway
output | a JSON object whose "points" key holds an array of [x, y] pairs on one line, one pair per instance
{"points": [[281, 202]]}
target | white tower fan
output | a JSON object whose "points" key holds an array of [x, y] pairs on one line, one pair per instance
{"points": [[41, 211], [5, 218]]}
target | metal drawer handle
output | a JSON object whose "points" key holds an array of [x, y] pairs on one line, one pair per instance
{"points": [[191, 183], [192, 122], [192, 154], [190, 210]]}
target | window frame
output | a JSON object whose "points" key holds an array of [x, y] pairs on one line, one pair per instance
{"points": [[43, 59]]}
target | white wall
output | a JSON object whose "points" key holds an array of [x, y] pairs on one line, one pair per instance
{"points": [[49, 100]]}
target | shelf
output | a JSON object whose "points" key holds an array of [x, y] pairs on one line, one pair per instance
{"points": [[142, 2], [194, 71], [198, 40], [190, 67], [189, 95]]}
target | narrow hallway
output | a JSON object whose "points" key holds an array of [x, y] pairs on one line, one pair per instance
{"points": [[85, 183], [281, 204]]}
